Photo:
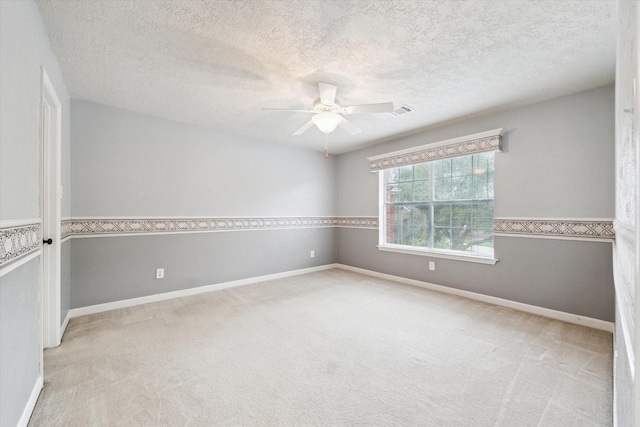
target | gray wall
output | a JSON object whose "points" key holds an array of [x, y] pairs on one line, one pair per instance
{"points": [[24, 47], [65, 282], [110, 269], [19, 340], [127, 164], [558, 162], [625, 255], [568, 276], [130, 164]]}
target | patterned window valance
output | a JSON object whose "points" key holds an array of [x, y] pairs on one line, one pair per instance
{"points": [[462, 146]]}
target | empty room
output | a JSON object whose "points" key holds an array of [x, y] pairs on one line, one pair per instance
{"points": [[319, 213]]}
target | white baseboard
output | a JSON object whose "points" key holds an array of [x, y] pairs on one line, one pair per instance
{"points": [[99, 308], [31, 403], [540, 311], [65, 324]]}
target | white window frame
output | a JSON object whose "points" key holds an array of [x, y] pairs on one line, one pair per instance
{"points": [[456, 147]]}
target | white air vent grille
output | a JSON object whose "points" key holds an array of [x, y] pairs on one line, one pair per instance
{"points": [[403, 109]]}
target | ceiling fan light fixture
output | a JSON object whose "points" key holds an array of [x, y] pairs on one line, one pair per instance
{"points": [[327, 115], [326, 121]]}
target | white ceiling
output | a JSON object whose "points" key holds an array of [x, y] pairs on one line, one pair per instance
{"points": [[218, 63]]}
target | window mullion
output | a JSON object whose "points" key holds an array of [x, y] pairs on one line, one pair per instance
{"points": [[432, 187]]}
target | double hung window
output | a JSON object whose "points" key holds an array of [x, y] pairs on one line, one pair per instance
{"points": [[443, 206]]}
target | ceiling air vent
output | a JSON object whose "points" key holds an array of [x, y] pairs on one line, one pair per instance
{"points": [[403, 109]]}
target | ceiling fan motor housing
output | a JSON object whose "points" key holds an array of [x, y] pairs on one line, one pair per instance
{"points": [[324, 108]]}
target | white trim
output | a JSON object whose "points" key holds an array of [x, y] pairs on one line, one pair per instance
{"points": [[382, 216], [13, 223], [626, 334], [615, 393], [540, 311], [31, 403], [64, 239], [63, 328], [636, 277], [624, 232], [556, 237], [437, 254], [99, 308], [487, 134], [18, 262]]}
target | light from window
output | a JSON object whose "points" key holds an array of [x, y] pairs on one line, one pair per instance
{"points": [[443, 205]]}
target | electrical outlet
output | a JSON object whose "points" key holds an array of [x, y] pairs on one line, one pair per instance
{"points": [[160, 273], [313, 254], [432, 265]]}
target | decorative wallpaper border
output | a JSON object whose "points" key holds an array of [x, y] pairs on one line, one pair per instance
{"points": [[555, 228], [477, 143], [19, 241], [84, 227], [601, 230], [65, 228]]}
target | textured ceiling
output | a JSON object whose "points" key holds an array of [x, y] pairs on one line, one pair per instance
{"points": [[217, 63]]}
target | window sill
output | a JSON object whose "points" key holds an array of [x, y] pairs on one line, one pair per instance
{"points": [[438, 254]]}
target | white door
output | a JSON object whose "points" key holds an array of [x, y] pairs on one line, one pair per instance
{"points": [[51, 138]]}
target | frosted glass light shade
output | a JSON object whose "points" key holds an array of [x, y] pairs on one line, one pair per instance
{"points": [[326, 121]]}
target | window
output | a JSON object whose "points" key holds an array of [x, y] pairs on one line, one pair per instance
{"points": [[437, 199], [442, 205]]}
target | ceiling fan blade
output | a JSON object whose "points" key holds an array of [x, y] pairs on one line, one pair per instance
{"points": [[327, 93], [303, 129], [383, 107], [285, 109], [349, 127]]}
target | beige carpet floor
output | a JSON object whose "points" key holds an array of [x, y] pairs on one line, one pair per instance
{"points": [[323, 349]]}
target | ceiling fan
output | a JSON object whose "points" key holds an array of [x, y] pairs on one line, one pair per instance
{"points": [[327, 114]]}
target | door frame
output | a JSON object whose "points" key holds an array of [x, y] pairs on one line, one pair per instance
{"points": [[50, 174], [635, 393]]}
